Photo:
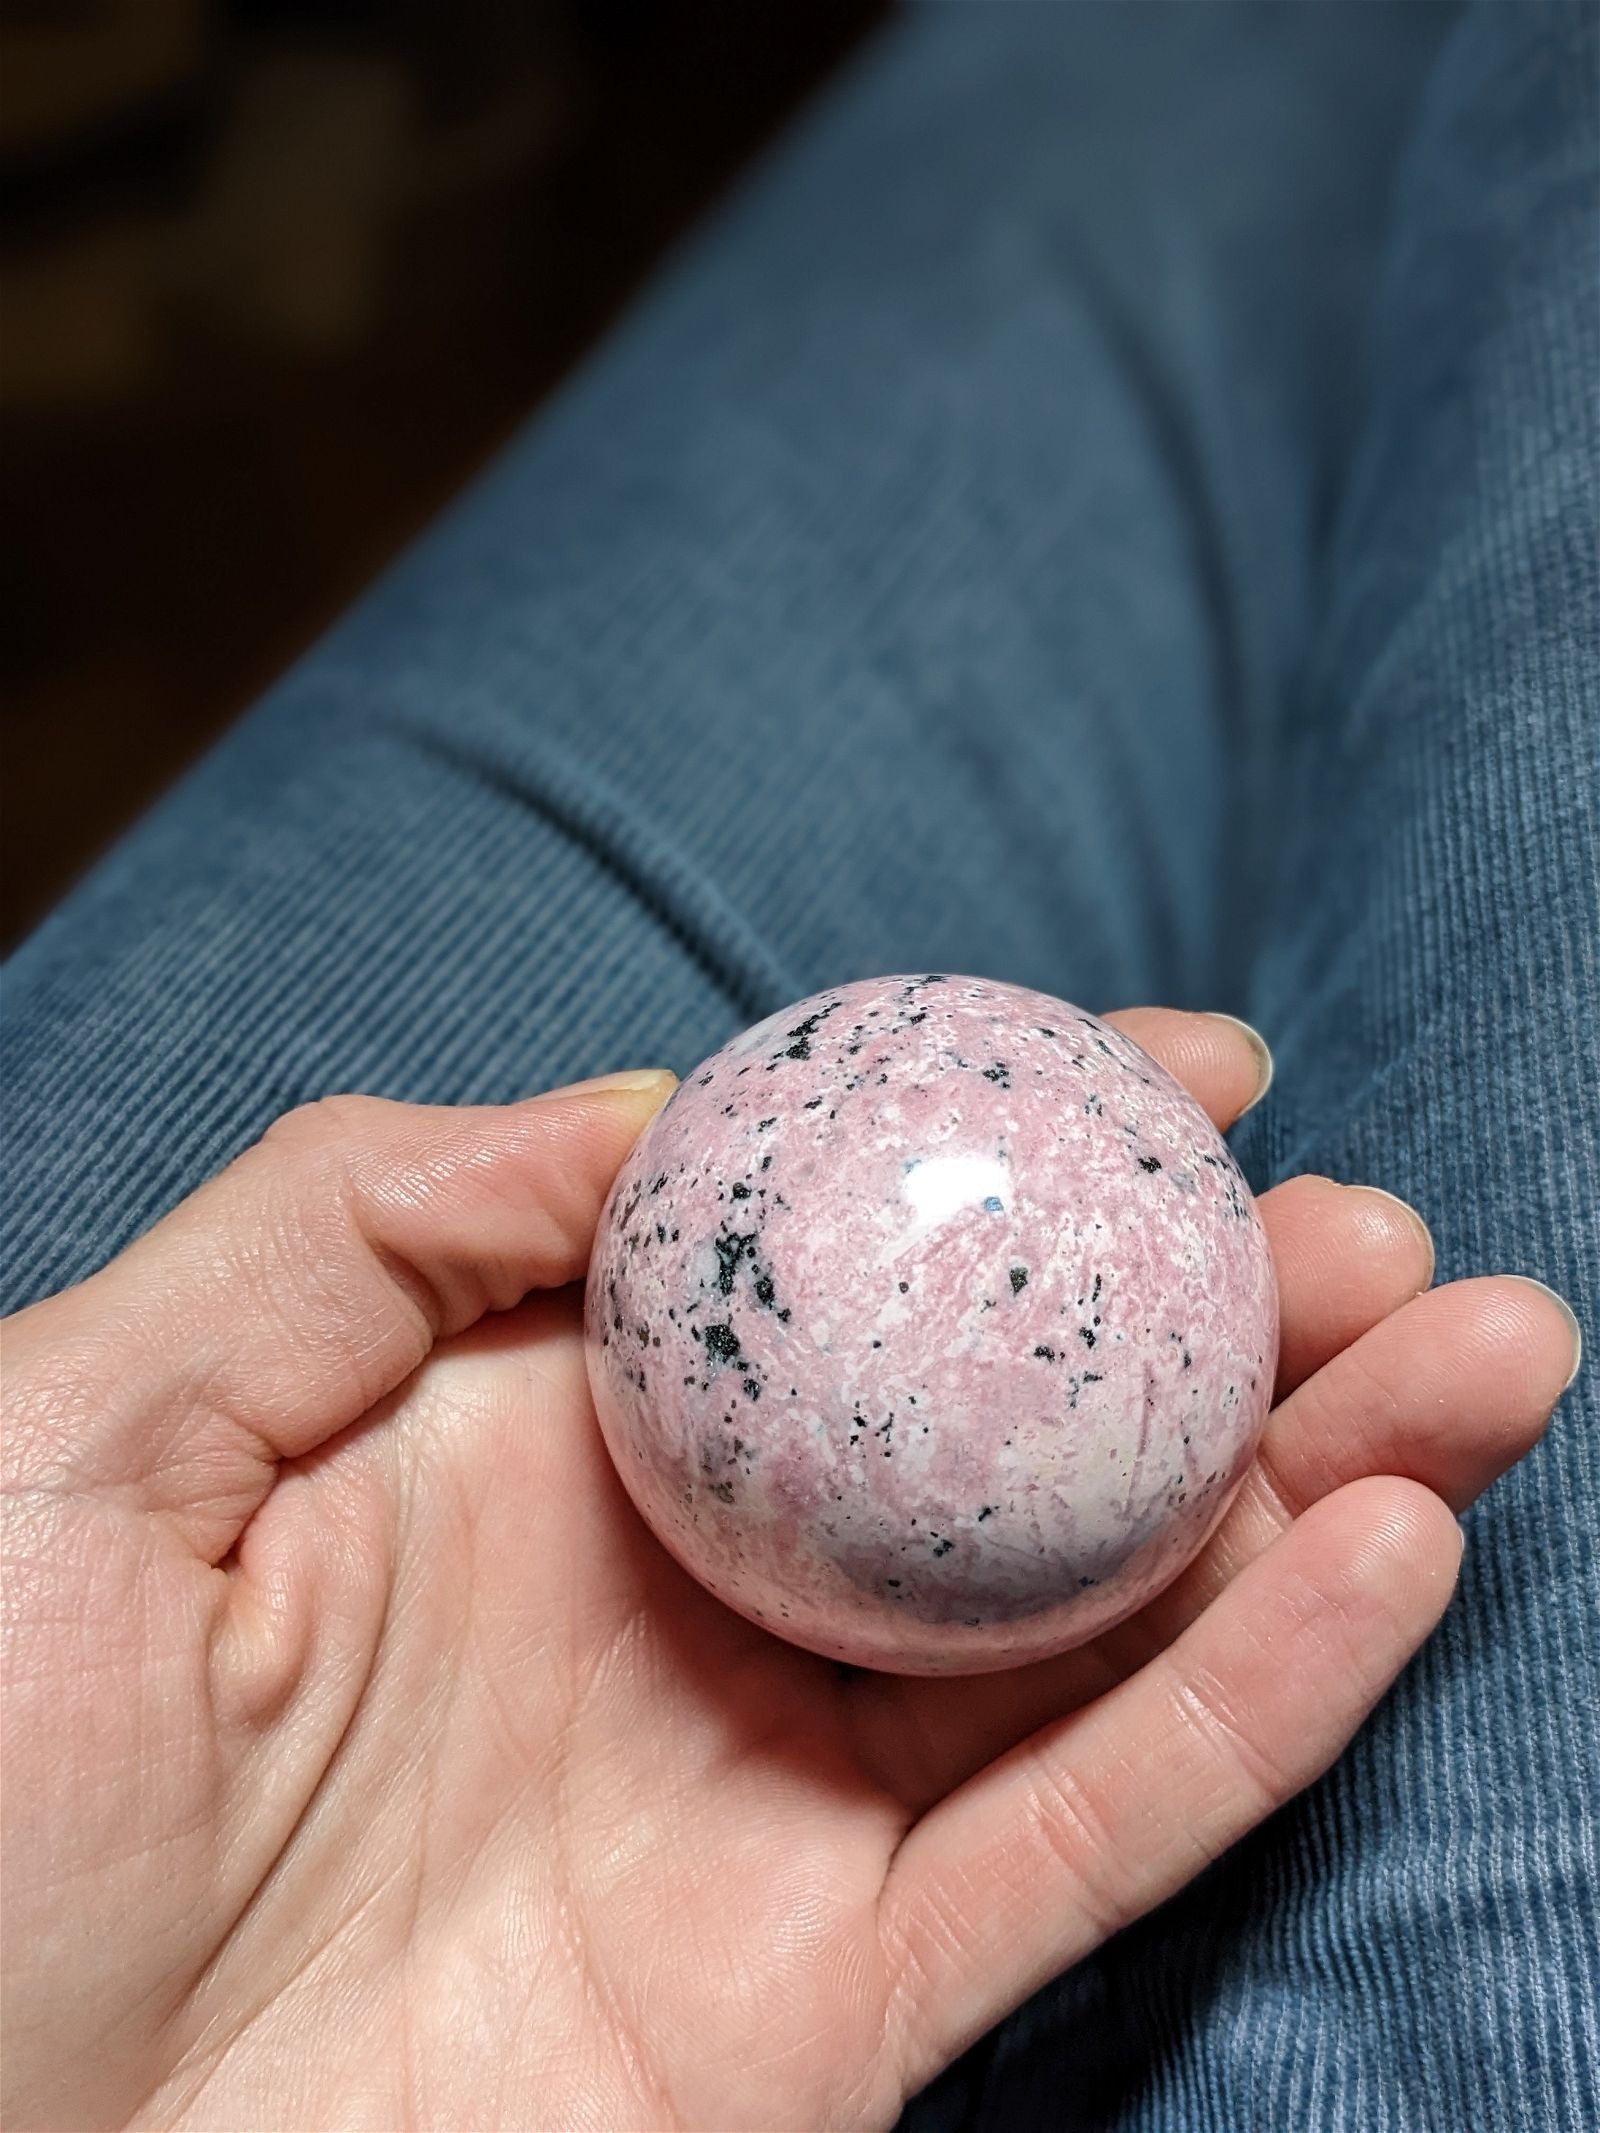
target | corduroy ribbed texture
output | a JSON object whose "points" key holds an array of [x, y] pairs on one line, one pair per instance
{"points": [[1111, 505]]}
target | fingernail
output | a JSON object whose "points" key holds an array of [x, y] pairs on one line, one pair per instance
{"points": [[1377, 1192], [1567, 1313], [1258, 1044], [635, 1081]]}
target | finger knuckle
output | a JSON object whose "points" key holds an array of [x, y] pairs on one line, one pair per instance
{"points": [[1076, 1829], [326, 1126], [1205, 1710]]}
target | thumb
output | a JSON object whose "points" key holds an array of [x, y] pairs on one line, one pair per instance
{"points": [[310, 1278]]}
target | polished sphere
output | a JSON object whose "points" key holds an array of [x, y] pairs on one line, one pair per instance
{"points": [[931, 1324]]}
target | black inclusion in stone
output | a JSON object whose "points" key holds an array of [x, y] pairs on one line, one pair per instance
{"points": [[730, 1249], [721, 1342], [799, 1046]]}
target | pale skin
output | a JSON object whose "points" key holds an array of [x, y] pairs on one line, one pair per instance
{"points": [[368, 1764]]}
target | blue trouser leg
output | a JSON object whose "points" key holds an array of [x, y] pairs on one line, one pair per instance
{"points": [[1414, 1946], [1001, 543], [900, 587]]}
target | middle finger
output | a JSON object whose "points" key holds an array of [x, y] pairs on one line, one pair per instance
{"points": [[1345, 1256]]}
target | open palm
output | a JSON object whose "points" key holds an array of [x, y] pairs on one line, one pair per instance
{"points": [[370, 1765]]}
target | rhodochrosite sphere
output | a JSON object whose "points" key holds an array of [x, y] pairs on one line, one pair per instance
{"points": [[931, 1324]]}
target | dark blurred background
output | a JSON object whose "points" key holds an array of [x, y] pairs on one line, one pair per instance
{"points": [[274, 281]]}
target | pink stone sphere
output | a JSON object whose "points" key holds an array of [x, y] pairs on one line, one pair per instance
{"points": [[931, 1325]]}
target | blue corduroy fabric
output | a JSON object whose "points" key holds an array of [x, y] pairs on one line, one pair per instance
{"points": [[1112, 504]]}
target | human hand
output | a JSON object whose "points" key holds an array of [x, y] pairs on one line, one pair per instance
{"points": [[370, 1764]]}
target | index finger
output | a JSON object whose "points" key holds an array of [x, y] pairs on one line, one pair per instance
{"points": [[1221, 1061], [1105, 1813]]}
